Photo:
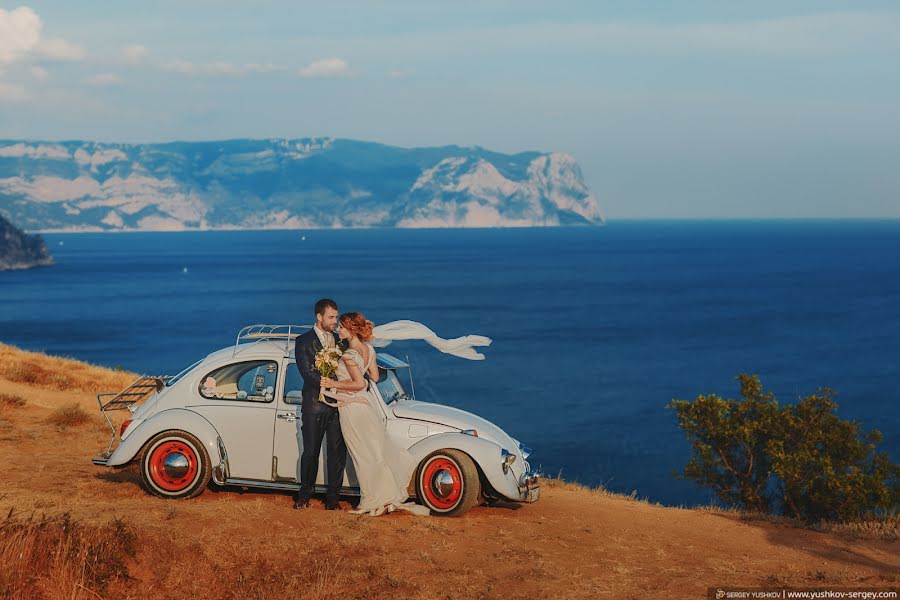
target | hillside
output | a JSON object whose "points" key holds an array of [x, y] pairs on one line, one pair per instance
{"points": [[21, 251], [117, 541], [285, 184]]}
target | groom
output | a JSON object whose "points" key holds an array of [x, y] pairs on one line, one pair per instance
{"points": [[319, 419]]}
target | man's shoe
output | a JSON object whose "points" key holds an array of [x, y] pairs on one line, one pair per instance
{"points": [[301, 502], [332, 505]]}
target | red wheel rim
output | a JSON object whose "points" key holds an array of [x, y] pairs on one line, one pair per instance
{"points": [[173, 465], [442, 497]]}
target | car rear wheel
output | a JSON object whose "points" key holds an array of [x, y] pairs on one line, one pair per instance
{"points": [[175, 465], [447, 483]]}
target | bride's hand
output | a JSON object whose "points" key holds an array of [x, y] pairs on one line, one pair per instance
{"points": [[326, 382]]}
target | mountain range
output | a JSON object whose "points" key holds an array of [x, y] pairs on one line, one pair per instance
{"points": [[285, 184]]}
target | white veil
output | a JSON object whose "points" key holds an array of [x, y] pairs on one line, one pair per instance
{"points": [[462, 347]]}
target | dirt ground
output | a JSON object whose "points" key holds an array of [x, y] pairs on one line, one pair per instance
{"points": [[574, 543]]}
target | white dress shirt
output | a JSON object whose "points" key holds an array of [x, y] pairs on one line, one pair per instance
{"points": [[326, 338]]}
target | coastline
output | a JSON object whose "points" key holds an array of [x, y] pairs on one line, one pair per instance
{"points": [[606, 224]]}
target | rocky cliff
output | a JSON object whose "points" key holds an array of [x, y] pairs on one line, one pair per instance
{"points": [[285, 184], [20, 251]]}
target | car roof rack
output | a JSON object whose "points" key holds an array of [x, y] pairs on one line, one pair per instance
{"points": [[279, 336]]}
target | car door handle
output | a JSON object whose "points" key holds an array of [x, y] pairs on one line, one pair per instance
{"points": [[287, 417]]}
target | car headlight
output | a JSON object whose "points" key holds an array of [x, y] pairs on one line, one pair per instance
{"points": [[508, 458]]}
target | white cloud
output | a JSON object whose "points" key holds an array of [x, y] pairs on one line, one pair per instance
{"points": [[12, 92], [217, 68], [20, 36], [20, 32], [327, 67], [60, 49], [135, 53], [102, 80], [39, 73]]}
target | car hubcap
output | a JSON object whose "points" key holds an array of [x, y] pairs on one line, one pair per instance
{"points": [[442, 483], [176, 465], [173, 465]]}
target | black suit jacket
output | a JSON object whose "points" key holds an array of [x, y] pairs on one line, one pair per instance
{"points": [[305, 348]]}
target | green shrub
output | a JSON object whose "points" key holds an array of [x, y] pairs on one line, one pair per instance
{"points": [[801, 460]]}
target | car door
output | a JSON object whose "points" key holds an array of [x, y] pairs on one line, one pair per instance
{"points": [[288, 439], [239, 400]]}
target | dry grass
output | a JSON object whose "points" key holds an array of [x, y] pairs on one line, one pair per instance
{"points": [[316, 564], [50, 372], [57, 557], [870, 527], [8, 405], [559, 483], [11, 400], [573, 486], [70, 415], [6, 424]]}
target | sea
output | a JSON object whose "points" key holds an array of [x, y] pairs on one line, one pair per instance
{"points": [[594, 329]]}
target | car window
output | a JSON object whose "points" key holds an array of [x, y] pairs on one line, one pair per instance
{"points": [[389, 385], [293, 385], [250, 381]]}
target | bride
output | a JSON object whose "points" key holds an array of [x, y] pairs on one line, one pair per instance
{"points": [[383, 469]]}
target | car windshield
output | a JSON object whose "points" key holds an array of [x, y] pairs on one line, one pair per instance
{"points": [[175, 379], [390, 387]]}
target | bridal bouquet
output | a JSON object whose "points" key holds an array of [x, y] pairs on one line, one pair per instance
{"points": [[326, 364]]}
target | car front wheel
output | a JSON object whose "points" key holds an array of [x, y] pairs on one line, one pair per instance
{"points": [[175, 465], [447, 483]]}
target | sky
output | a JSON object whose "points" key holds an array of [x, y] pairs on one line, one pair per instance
{"points": [[683, 110]]}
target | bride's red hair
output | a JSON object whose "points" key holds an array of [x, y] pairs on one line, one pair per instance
{"points": [[357, 325]]}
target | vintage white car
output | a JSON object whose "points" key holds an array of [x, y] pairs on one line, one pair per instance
{"points": [[234, 418]]}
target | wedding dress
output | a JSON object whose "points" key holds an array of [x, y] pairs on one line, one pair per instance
{"points": [[383, 468]]}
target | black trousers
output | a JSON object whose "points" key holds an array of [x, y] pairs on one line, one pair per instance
{"points": [[314, 427]]}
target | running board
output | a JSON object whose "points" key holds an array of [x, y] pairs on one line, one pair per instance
{"points": [[281, 485]]}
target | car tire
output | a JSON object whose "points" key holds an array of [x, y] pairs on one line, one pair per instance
{"points": [[174, 464], [447, 482]]}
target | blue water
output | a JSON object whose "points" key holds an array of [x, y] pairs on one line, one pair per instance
{"points": [[595, 329]]}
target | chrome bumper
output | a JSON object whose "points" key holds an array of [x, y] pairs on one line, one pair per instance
{"points": [[530, 486]]}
